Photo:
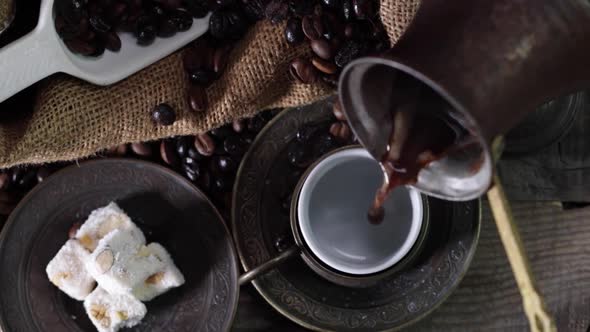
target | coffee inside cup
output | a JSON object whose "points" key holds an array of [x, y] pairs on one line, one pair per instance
{"points": [[332, 215]]}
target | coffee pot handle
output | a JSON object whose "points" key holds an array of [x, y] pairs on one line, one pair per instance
{"points": [[269, 265]]}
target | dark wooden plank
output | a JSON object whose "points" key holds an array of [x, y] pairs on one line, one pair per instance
{"points": [[488, 298]]}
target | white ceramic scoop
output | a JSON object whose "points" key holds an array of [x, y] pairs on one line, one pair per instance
{"points": [[42, 53]]}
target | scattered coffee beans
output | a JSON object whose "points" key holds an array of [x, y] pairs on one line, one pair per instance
{"points": [[202, 159], [164, 115]]}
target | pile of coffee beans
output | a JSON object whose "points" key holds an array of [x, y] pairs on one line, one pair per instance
{"points": [[337, 31], [209, 160], [88, 27]]}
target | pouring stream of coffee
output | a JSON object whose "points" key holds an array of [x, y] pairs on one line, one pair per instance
{"points": [[422, 132]]}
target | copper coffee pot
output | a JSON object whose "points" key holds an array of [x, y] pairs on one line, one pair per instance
{"points": [[493, 62]]}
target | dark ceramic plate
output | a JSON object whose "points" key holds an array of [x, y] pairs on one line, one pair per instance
{"points": [[311, 301], [547, 125], [169, 210]]}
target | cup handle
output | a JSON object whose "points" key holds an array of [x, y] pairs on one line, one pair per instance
{"points": [[268, 265]]}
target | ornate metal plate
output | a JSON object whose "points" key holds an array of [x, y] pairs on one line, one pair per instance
{"points": [[547, 125], [309, 300], [169, 210]]}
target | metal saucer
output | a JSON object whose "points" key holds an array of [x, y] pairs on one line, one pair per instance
{"points": [[311, 301]]}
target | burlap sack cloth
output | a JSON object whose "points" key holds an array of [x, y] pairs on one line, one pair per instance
{"points": [[74, 119]]}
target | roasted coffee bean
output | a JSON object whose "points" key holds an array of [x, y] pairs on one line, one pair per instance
{"points": [[301, 8], [4, 181], [118, 150], [303, 71], [204, 144], [183, 144], [332, 4], [168, 152], [363, 9], [197, 8], [293, 32], [163, 115], [308, 27], [224, 164], [194, 154], [28, 180], [227, 24], [88, 36], [197, 98], [99, 49], [99, 23], [358, 30], [222, 131], [142, 149], [238, 125], [201, 76], [324, 66], [338, 112], [80, 47], [197, 56], [191, 162], [350, 51], [340, 131], [277, 11], [322, 48], [299, 155], [181, 19], [145, 30], [192, 172], [71, 10], [112, 42], [16, 174], [347, 10], [117, 10], [66, 30], [235, 145], [166, 28], [220, 58], [74, 229]]}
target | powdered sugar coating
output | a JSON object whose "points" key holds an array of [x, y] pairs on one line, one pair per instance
{"points": [[128, 267], [111, 312], [169, 277], [104, 220], [67, 271]]}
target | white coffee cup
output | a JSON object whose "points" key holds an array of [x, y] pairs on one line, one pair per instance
{"points": [[332, 232], [332, 215]]}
